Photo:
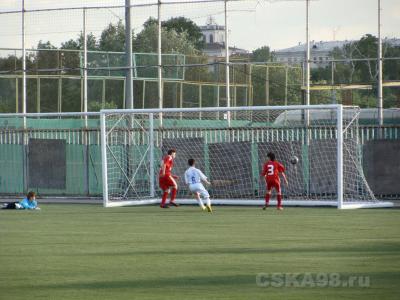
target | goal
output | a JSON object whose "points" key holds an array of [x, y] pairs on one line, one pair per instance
{"points": [[230, 146]]}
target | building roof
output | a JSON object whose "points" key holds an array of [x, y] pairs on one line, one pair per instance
{"points": [[316, 46], [216, 46], [330, 45], [212, 27]]}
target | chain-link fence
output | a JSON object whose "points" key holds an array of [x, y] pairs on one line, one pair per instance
{"points": [[70, 45]]}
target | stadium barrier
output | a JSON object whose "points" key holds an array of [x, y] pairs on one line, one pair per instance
{"points": [[82, 162]]}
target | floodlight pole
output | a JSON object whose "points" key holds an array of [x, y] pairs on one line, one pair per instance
{"points": [[85, 85], [307, 111], [159, 62], [85, 101], [227, 81], [307, 55], [23, 63], [24, 135], [128, 54], [380, 72]]}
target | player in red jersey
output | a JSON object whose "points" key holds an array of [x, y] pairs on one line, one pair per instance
{"points": [[271, 171], [167, 180]]}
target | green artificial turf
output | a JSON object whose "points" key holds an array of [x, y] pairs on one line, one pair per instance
{"points": [[90, 252]]}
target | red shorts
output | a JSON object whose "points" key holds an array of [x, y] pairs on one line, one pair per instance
{"points": [[165, 182], [273, 184]]}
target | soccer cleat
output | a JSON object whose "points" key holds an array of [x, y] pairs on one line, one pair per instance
{"points": [[203, 208], [279, 208], [164, 206], [174, 204], [209, 209], [265, 207]]}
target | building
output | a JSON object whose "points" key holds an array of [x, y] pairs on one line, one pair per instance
{"points": [[214, 38], [320, 53]]}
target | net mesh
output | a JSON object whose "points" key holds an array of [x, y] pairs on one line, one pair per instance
{"points": [[231, 148]]}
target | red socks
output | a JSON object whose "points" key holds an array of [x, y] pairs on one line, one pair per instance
{"points": [[173, 195], [267, 196], [164, 198], [165, 195], [279, 198]]}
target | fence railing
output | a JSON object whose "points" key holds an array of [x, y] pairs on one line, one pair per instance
{"points": [[83, 155]]}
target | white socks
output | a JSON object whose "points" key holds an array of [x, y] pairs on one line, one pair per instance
{"points": [[200, 203]]}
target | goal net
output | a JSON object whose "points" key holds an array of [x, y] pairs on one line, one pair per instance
{"points": [[230, 147]]}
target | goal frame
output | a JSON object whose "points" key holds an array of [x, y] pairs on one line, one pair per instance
{"points": [[339, 203]]}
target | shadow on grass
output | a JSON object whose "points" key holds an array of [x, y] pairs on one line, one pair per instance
{"points": [[367, 249], [154, 283], [373, 248], [210, 282]]}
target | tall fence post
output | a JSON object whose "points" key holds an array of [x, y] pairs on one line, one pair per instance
{"points": [[24, 134], [128, 53]]}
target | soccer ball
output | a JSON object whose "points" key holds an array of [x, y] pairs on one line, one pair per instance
{"points": [[294, 160]]}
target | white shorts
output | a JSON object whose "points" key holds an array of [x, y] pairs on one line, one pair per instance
{"points": [[199, 188]]}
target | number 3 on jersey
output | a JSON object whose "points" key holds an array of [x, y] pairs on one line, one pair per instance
{"points": [[193, 179], [270, 170]]}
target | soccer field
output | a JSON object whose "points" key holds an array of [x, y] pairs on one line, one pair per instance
{"points": [[89, 252]]}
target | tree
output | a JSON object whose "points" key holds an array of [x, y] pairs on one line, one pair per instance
{"points": [[182, 25], [113, 38], [363, 71], [77, 44], [10, 65], [171, 41], [261, 54]]}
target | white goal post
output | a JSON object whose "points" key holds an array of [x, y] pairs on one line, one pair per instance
{"points": [[230, 146]]}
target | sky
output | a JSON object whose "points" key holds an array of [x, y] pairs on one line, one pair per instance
{"points": [[252, 23]]}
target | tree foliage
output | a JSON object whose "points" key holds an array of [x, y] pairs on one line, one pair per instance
{"points": [[362, 70], [262, 54]]}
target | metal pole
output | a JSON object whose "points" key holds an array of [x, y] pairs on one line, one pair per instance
{"points": [[340, 156], [267, 90], [85, 103], [151, 154], [307, 111], [143, 93], [380, 74], [38, 94], [23, 64], [59, 95], [307, 55], [200, 100], [228, 97], [85, 85], [333, 82], [24, 135], [128, 54], [181, 98], [160, 91], [104, 158], [286, 86]]}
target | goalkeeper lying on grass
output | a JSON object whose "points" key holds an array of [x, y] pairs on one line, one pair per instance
{"points": [[29, 202]]}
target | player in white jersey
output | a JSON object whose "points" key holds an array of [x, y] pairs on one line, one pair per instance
{"points": [[193, 178]]}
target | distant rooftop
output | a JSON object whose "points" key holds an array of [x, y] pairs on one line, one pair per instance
{"points": [[321, 46], [212, 25], [330, 45]]}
